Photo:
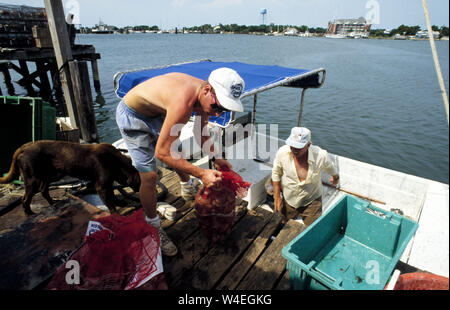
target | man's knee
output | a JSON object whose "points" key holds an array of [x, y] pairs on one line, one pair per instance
{"points": [[312, 212], [148, 178]]}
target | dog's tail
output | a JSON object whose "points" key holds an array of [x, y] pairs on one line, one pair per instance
{"points": [[13, 170]]}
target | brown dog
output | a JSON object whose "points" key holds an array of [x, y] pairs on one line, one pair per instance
{"points": [[43, 162]]}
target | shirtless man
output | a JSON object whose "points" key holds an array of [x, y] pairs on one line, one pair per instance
{"points": [[296, 173], [146, 116]]}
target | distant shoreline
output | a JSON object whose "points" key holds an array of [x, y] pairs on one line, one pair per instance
{"points": [[270, 35]]}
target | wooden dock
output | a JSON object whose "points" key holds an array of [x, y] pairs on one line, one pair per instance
{"points": [[32, 248], [249, 259], [45, 77]]}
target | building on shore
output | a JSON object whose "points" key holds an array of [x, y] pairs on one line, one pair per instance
{"points": [[305, 34], [423, 34], [291, 32], [359, 27], [399, 36]]}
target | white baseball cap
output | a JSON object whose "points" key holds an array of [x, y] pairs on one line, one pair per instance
{"points": [[299, 137], [228, 86]]}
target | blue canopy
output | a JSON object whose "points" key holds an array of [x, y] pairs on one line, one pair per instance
{"points": [[257, 78]]}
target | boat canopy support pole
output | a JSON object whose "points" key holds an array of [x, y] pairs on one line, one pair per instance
{"points": [[255, 98], [301, 108]]}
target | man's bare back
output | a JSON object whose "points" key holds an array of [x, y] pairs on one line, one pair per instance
{"points": [[156, 95], [174, 96]]}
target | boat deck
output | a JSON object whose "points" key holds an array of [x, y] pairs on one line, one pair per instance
{"points": [[32, 248]]}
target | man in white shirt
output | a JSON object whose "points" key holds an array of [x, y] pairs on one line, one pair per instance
{"points": [[296, 173]]}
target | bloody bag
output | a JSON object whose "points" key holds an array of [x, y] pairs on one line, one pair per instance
{"points": [[215, 206], [118, 252]]}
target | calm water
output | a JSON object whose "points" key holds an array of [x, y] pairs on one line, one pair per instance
{"points": [[380, 103]]}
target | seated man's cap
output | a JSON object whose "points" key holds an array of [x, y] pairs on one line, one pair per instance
{"points": [[299, 137]]}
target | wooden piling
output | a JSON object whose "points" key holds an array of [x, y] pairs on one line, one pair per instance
{"points": [[7, 77], [63, 53], [45, 83], [26, 76], [59, 96], [83, 100], [95, 75], [27, 84]]}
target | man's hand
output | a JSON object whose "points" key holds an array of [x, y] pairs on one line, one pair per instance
{"points": [[334, 180], [220, 163], [211, 177]]}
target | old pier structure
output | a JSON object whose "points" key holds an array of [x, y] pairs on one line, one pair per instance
{"points": [[37, 44]]}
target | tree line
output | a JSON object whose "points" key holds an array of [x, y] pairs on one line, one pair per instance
{"points": [[244, 29], [408, 31]]}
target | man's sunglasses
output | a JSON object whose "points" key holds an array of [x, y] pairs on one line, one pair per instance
{"points": [[215, 107]]}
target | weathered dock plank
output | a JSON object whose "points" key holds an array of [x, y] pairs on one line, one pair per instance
{"points": [[186, 223], [172, 182], [211, 268], [270, 267], [78, 51], [191, 248], [240, 269], [12, 213], [33, 251], [284, 283], [9, 202]]}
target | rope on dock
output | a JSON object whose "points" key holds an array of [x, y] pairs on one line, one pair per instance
{"points": [[435, 58]]}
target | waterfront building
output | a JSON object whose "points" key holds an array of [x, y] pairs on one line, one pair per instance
{"points": [[305, 34], [399, 36], [344, 27], [290, 32], [423, 34]]}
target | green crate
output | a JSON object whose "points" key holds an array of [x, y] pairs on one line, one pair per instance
{"points": [[22, 120], [353, 246]]}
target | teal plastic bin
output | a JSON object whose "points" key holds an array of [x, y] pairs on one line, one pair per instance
{"points": [[22, 120], [353, 246]]}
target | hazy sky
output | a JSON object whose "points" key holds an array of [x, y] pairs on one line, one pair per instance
{"points": [[168, 14]]}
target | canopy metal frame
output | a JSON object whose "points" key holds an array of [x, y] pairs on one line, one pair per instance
{"points": [[292, 81], [288, 83]]}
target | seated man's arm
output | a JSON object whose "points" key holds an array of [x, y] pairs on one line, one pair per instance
{"points": [[277, 172], [330, 168], [277, 199]]}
